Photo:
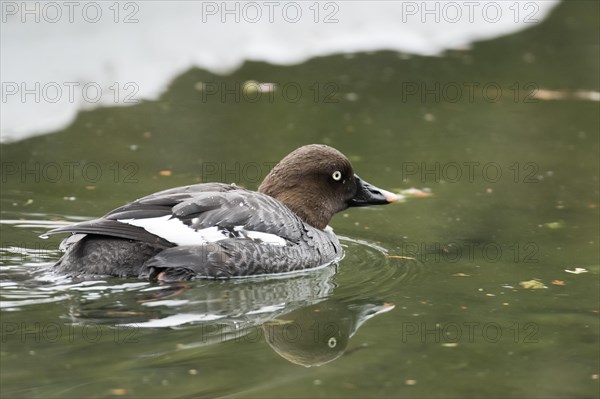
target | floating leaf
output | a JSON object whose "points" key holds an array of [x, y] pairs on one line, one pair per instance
{"points": [[532, 284]]}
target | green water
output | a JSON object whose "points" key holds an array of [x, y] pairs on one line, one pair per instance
{"points": [[515, 182]]}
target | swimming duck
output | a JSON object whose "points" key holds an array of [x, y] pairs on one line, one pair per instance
{"points": [[216, 230]]}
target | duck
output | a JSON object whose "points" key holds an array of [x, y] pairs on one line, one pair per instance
{"points": [[223, 231]]}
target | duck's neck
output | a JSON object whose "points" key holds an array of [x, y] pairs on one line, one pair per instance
{"points": [[304, 203]]}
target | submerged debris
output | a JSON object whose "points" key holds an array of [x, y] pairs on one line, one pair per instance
{"points": [[555, 225]]}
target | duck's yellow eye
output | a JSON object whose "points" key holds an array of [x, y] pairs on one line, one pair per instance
{"points": [[337, 175]]}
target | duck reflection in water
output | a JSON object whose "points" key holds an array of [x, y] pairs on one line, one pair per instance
{"points": [[299, 316], [319, 334]]}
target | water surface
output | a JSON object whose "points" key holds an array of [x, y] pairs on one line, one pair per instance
{"points": [[435, 297]]}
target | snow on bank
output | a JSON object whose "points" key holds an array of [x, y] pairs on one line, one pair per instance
{"points": [[61, 57]]}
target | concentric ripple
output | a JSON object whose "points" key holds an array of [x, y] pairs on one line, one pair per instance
{"points": [[368, 270]]}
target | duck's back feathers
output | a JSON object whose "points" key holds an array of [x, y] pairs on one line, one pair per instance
{"points": [[197, 207]]}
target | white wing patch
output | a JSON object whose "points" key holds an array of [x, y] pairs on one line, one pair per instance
{"points": [[265, 238], [175, 231]]}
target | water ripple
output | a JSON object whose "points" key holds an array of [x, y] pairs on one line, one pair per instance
{"points": [[368, 270]]}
